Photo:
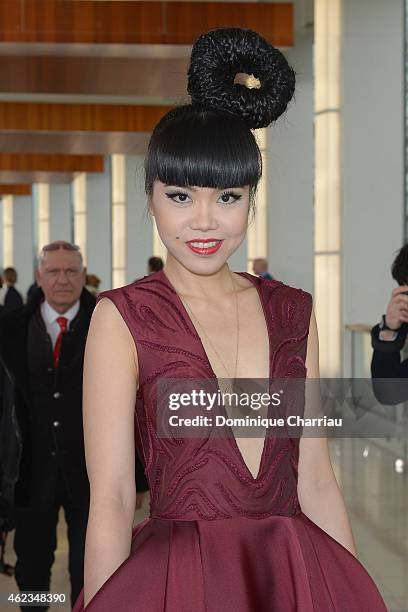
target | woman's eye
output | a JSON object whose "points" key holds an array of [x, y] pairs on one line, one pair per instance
{"points": [[180, 198], [229, 197]]}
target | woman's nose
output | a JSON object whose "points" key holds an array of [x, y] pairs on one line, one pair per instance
{"points": [[203, 218]]}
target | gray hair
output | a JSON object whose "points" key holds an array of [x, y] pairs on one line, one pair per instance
{"points": [[56, 246]]}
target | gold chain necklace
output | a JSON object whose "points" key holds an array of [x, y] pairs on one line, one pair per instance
{"points": [[230, 386]]}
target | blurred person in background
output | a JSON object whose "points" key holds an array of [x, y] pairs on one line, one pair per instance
{"points": [[31, 289], [388, 339], [42, 450], [92, 283], [154, 264], [260, 268], [10, 297], [2, 295]]}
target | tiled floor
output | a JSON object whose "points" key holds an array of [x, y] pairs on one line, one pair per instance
{"points": [[376, 496], [60, 578]]}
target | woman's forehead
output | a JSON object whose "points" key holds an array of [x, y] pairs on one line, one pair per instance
{"points": [[196, 189]]}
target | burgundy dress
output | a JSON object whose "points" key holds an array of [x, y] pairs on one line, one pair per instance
{"points": [[218, 539]]}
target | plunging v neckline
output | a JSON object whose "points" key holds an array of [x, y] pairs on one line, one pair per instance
{"points": [[257, 284]]}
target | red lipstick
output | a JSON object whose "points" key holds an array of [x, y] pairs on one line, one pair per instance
{"points": [[204, 246]]}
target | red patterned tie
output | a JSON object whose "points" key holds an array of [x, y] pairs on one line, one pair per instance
{"points": [[63, 323]]}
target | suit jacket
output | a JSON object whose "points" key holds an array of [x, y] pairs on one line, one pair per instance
{"points": [[13, 299], [41, 435]]}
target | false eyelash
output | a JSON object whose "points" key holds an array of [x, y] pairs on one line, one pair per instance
{"points": [[173, 194], [236, 196]]}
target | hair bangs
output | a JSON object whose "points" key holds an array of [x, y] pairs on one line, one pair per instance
{"points": [[203, 149]]}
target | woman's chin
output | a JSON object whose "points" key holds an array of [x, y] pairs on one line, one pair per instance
{"points": [[203, 265]]}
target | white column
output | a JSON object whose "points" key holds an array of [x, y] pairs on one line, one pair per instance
{"points": [[7, 231], [23, 248], [372, 153], [99, 225], [41, 215], [257, 236], [139, 224], [327, 239], [119, 231], [60, 212], [289, 160]]}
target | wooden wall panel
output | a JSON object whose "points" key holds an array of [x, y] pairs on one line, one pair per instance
{"points": [[79, 117], [11, 20], [121, 21], [74, 143], [185, 21], [87, 21], [15, 189], [15, 162], [17, 178], [145, 77]]}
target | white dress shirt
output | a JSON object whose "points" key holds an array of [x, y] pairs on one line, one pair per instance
{"points": [[50, 317]]}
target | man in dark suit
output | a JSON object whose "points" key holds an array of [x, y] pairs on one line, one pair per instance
{"points": [[42, 459], [12, 297]]}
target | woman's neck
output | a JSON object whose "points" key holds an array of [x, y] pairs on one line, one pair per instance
{"points": [[205, 286]]}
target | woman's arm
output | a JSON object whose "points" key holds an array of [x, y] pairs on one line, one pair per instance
{"points": [[110, 385], [318, 492]]}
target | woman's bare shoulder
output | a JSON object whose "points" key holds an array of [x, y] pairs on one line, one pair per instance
{"points": [[108, 331]]}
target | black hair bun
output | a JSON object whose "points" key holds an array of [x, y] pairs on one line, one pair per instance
{"points": [[219, 55]]}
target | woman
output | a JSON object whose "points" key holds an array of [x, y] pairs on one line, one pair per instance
{"points": [[238, 525]]}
